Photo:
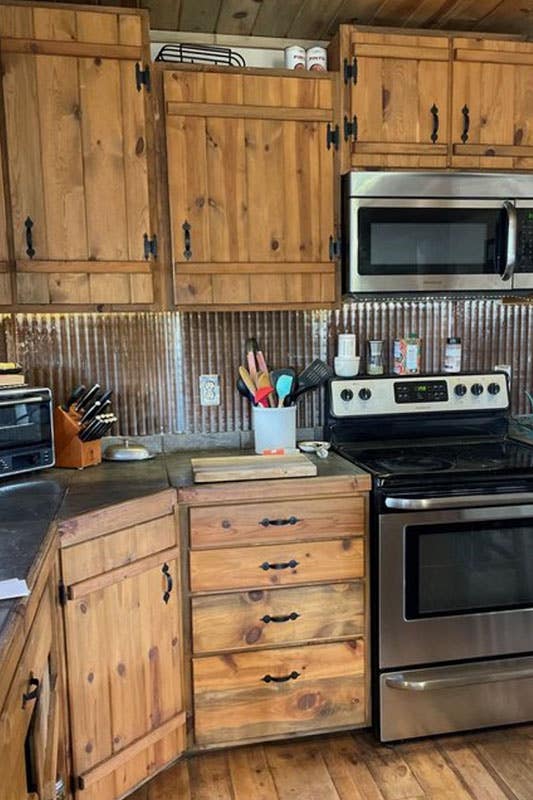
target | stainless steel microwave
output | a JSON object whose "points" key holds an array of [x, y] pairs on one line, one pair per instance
{"points": [[26, 430], [437, 232]]}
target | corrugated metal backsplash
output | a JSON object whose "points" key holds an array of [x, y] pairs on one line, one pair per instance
{"points": [[153, 361]]}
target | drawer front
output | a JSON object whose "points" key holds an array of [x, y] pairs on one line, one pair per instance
{"points": [[276, 692], [240, 621], [276, 565], [279, 521], [97, 556]]}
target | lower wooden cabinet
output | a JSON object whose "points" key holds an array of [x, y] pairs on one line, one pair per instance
{"points": [[124, 653]]}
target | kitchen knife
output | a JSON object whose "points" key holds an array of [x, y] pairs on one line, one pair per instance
{"points": [[74, 395], [91, 412], [106, 396], [82, 403]]}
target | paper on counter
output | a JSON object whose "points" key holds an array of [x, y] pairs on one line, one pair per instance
{"points": [[12, 588]]}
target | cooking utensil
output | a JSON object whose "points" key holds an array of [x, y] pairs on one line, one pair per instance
{"points": [[317, 373], [247, 380], [83, 402], [284, 386], [74, 395], [251, 348], [263, 381], [530, 398], [261, 362], [243, 390], [262, 396]]}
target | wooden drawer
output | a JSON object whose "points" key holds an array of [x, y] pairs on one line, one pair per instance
{"points": [[278, 521], [105, 553], [244, 620], [276, 692], [276, 565]]}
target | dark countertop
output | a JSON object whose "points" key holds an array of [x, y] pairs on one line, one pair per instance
{"points": [[30, 504]]}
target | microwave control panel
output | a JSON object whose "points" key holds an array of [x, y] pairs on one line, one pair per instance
{"points": [[524, 255], [385, 395]]}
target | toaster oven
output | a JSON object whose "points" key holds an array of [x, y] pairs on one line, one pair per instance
{"points": [[26, 430]]}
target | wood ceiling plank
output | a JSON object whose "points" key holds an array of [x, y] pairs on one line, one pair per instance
{"points": [[237, 17], [164, 14], [509, 16], [276, 17], [355, 12], [199, 15], [314, 19], [450, 14], [396, 12]]}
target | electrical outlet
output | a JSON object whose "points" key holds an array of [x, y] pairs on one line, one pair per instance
{"points": [[209, 390]]}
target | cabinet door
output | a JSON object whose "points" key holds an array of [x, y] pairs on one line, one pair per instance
{"points": [[250, 182], [124, 675], [492, 105], [78, 166], [5, 280], [399, 100]]}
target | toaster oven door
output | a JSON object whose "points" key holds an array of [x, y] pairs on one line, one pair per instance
{"points": [[26, 438]]}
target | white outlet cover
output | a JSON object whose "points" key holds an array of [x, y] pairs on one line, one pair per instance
{"points": [[209, 390]]}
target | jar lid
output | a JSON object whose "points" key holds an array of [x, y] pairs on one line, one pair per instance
{"points": [[453, 340]]}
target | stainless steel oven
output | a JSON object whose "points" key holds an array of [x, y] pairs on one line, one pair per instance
{"points": [[437, 232], [26, 430]]}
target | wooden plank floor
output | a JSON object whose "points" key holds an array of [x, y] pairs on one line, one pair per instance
{"points": [[494, 765]]}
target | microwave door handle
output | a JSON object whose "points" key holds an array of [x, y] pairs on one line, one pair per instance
{"points": [[512, 227]]}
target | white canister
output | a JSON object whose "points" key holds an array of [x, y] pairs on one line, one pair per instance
{"points": [[274, 428], [346, 345], [316, 59], [295, 57]]}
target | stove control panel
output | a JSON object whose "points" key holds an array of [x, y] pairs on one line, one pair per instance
{"points": [[387, 395]]}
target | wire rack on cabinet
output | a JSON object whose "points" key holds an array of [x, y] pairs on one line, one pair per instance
{"points": [[197, 53]]}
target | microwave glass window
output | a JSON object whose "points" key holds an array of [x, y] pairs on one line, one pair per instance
{"points": [[469, 567], [23, 424], [426, 241]]}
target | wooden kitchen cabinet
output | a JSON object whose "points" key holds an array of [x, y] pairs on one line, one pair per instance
{"points": [[492, 104], [79, 155], [250, 187], [279, 609], [122, 615], [5, 277]]}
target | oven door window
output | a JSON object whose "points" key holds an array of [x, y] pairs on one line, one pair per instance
{"points": [[468, 567], [24, 424], [427, 241]]}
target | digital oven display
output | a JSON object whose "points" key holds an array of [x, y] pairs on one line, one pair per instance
{"points": [[420, 392]]}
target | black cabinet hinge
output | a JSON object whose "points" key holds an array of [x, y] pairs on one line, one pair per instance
{"points": [[350, 70], [334, 248], [332, 136], [142, 77], [150, 246], [350, 128], [64, 593]]}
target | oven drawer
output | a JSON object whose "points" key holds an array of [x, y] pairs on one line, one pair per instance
{"points": [[242, 620], [423, 702], [279, 521], [276, 692], [276, 565]]}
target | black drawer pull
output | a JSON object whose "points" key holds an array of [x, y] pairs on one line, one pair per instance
{"points": [[284, 565], [282, 679], [33, 694], [435, 130], [165, 569], [282, 618], [465, 111], [278, 522]]}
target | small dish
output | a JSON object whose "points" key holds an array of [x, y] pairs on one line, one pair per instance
{"points": [[319, 448]]}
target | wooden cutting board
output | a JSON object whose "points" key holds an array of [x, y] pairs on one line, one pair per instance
{"points": [[251, 468]]}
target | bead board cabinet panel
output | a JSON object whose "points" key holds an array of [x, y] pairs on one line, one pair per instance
{"points": [[78, 151], [251, 188]]}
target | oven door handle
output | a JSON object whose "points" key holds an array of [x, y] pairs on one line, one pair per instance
{"points": [[460, 501], [22, 402], [410, 682]]}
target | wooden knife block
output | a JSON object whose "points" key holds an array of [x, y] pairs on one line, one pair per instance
{"points": [[71, 452]]}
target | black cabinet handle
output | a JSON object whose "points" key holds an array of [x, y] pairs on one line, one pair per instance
{"points": [[435, 131], [187, 252], [33, 694], [465, 111], [278, 522], [282, 618], [282, 678], [284, 565], [28, 224], [165, 569]]}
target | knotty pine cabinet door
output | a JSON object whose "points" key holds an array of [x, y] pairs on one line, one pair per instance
{"points": [[78, 156], [492, 104], [251, 189], [399, 94], [123, 639], [5, 279]]}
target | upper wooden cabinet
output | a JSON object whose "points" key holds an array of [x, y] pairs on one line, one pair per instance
{"points": [[5, 278], [399, 100], [251, 188], [78, 144], [492, 104]]}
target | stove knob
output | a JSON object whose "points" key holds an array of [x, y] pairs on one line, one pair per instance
{"points": [[365, 394], [460, 390], [477, 389], [346, 395], [493, 388]]}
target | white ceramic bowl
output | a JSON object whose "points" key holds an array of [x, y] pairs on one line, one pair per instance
{"points": [[346, 367]]}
